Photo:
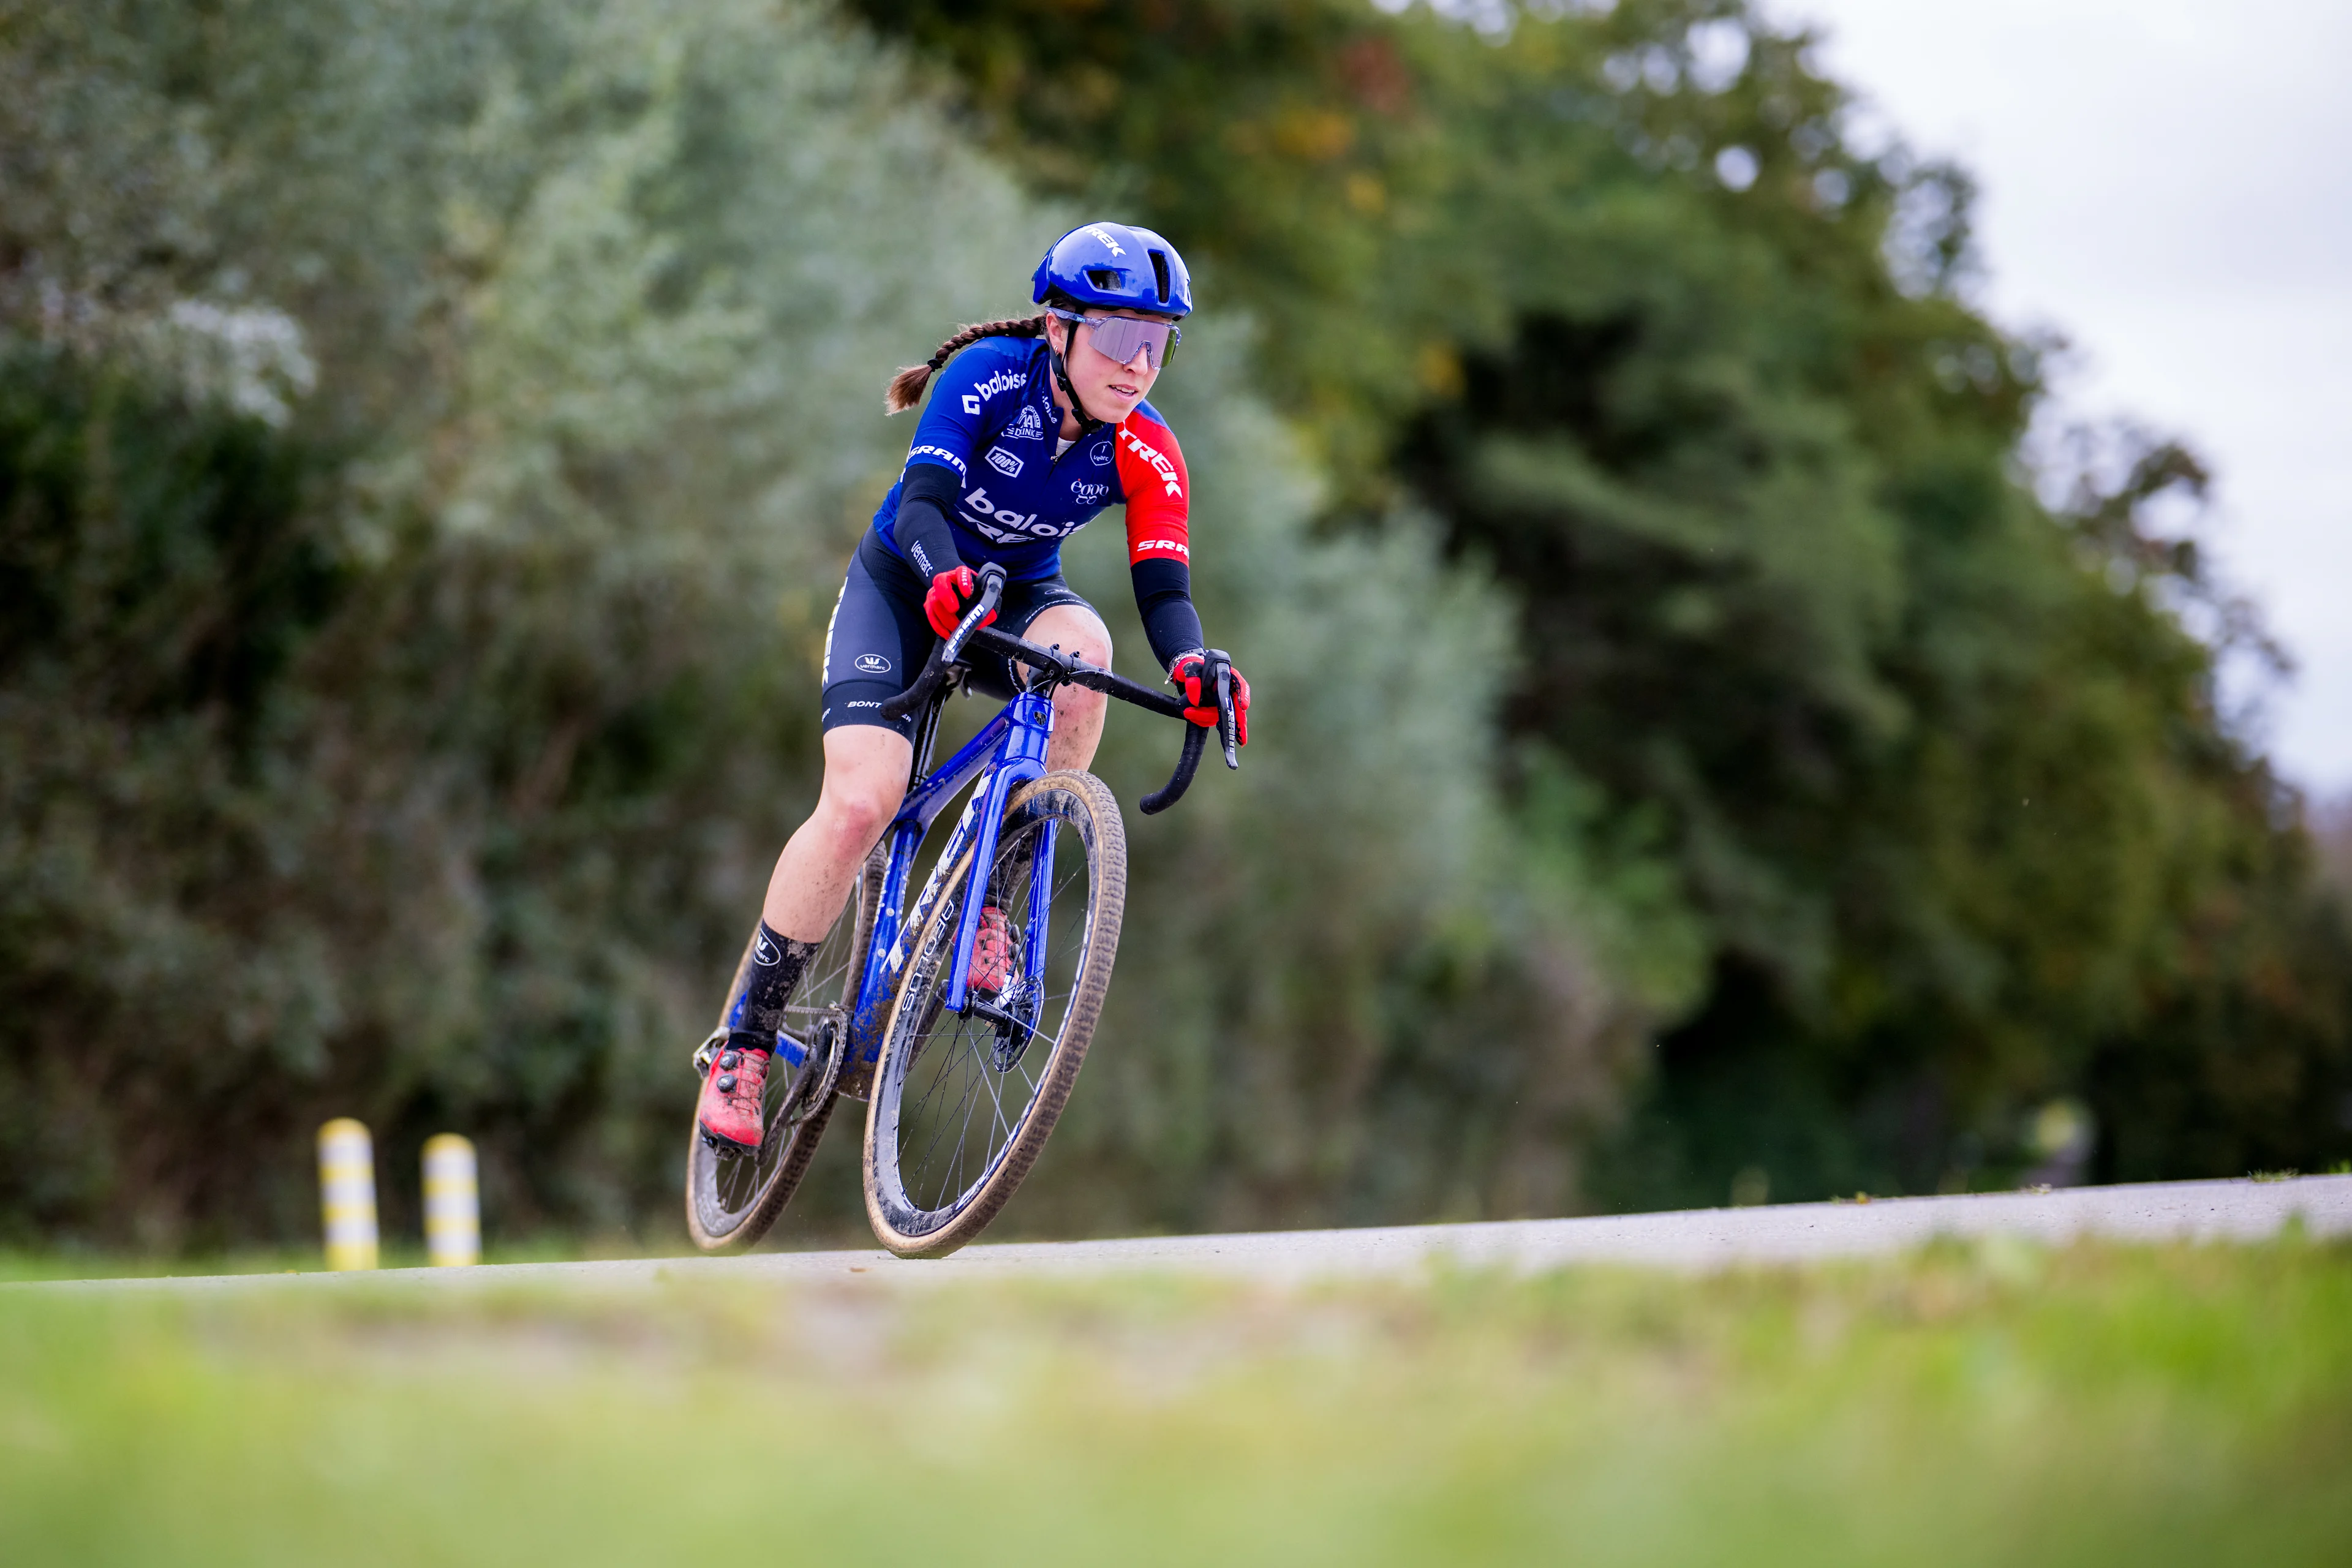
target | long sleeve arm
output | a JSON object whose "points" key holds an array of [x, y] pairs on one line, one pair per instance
{"points": [[1163, 598], [921, 530], [1159, 534]]}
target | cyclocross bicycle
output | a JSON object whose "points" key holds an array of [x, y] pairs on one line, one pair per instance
{"points": [[965, 1066]]}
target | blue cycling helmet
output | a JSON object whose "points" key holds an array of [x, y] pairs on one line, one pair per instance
{"points": [[1116, 265]]}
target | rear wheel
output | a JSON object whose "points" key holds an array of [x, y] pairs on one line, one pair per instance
{"points": [[733, 1199], [962, 1103]]}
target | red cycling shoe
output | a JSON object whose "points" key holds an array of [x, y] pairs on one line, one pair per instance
{"points": [[729, 1113], [992, 950]]}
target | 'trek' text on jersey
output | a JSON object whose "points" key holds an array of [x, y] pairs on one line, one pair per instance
{"points": [[989, 423]]}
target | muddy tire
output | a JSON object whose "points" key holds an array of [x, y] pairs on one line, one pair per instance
{"points": [[962, 1106]]}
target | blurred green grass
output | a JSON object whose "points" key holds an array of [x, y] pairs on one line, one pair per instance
{"points": [[98, 1263], [1966, 1404]]}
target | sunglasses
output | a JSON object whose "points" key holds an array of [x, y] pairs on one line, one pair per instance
{"points": [[1121, 336]]}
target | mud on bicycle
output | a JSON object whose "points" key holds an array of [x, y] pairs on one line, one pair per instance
{"points": [[961, 1018]]}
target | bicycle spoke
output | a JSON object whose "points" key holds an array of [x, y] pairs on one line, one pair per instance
{"points": [[939, 1078], [941, 1150], [963, 1073], [731, 1200], [963, 1132]]}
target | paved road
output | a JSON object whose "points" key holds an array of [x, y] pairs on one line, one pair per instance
{"points": [[1696, 1239]]}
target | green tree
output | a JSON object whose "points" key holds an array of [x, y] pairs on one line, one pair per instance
{"points": [[1935, 766], [506, 397], [468, 844]]}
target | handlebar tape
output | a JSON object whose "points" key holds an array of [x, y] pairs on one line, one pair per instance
{"points": [[1196, 740]]}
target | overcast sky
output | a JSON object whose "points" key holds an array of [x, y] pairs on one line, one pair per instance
{"points": [[2169, 184]]}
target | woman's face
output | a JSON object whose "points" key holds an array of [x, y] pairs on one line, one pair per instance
{"points": [[1109, 390]]}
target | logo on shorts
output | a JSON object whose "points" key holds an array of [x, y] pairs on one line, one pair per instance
{"points": [[1005, 462], [872, 663]]}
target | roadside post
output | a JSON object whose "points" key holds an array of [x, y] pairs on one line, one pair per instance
{"points": [[453, 1202], [347, 1193]]}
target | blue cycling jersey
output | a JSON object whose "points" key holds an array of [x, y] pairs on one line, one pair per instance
{"points": [[991, 421]]}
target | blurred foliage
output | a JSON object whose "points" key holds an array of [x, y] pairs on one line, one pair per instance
{"points": [[1618, 295], [431, 433], [2334, 830], [432, 436]]}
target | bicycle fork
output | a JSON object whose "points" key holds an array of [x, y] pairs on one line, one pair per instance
{"points": [[1018, 756]]}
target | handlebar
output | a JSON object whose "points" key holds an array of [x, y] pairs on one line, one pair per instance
{"points": [[1069, 668], [1196, 740], [1196, 737]]}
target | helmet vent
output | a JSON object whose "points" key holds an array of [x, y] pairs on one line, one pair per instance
{"points": [[1159, 271], [1105, 277]]}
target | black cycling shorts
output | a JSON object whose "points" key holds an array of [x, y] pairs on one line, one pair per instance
{"points": [[880, 638]]}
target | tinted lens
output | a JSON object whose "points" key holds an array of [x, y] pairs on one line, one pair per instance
{"points": [[1121, 336]]}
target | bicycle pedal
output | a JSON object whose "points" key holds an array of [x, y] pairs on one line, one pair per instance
{"points": [[708, 1052]]}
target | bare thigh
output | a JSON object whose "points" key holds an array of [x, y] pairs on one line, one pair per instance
{"points": [[1077, 712], [865, 770]]}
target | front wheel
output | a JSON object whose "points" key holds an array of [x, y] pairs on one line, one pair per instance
{"points": [[964, 1103]]}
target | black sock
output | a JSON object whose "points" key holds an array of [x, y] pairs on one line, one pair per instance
{"points": [[776, 965]]}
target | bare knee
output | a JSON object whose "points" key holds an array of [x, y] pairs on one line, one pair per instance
{"points": [[1094, 644], [855, 815], [1075, 629], [865, 780], [1077, 704]]}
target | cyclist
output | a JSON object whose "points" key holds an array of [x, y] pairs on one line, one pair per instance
{"points": [[1034, 425]]}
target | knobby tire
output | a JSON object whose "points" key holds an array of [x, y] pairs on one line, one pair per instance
{"points": [[731, 1202], [918, 1195]]}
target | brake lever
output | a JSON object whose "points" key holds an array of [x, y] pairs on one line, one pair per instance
{"points": [[1226, 725], [940, 667], [991, 593]]}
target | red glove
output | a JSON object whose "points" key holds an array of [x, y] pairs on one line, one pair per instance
{"points": [[951, 595], [1196, 683]]}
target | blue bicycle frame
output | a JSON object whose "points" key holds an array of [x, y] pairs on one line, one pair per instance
{"points": [[1009, 751]]}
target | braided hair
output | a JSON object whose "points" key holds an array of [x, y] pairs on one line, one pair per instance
{"points": [[907, 386]]}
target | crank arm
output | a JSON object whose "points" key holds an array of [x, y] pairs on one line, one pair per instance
{"points": [[708, 1052]]}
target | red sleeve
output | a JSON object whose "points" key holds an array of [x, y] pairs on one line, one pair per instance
{"points": [[1158, 495]]}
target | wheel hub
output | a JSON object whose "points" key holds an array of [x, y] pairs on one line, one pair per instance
{"points": [[1014, 1016]]}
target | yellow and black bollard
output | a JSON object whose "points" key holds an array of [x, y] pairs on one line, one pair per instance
{"points": [[347, 1193], [453, 1202]]}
